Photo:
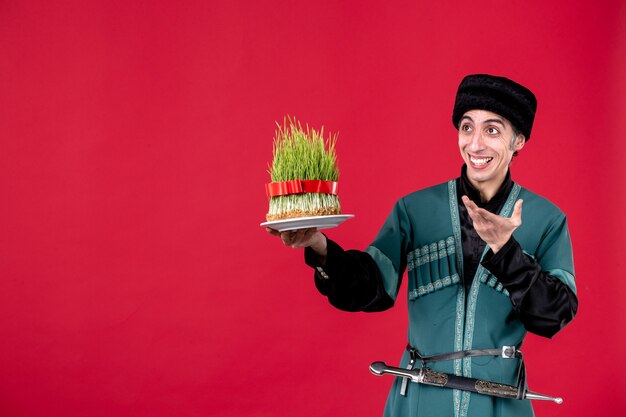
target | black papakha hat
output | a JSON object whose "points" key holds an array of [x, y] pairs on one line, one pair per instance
{"points": [[498, 95]]}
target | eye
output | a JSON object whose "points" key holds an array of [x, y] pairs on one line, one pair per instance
{"points": [[492, 131], [465, 127]]}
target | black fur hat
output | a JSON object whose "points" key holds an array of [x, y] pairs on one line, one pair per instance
{"points": [[498, 95]]}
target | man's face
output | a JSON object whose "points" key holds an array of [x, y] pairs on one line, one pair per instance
{"points": [[487, 143]]}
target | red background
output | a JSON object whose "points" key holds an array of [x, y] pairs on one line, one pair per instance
{"points": [[135, 137]]}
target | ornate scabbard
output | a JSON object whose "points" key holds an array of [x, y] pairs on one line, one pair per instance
{"points": [[439, 379]]}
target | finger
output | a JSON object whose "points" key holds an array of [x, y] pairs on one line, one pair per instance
{"points": [[302, 238], [517, 212], [310, 232], [295, 237], [470, 205], [299, 235], [475, 212], [272, 231], [287, 237], [467, 202], [517, 209]]}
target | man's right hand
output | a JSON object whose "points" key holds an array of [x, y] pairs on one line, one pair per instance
{"points": [[303, 238]]}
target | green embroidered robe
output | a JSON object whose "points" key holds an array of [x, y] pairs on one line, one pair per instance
{"points": [[422, 235]]}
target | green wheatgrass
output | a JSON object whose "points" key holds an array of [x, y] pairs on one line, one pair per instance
{"points": [[301, 154]]}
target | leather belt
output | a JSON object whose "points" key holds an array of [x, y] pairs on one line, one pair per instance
{"points": [[507, 352]]}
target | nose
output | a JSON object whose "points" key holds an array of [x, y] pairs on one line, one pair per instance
{"points": [[477, 142]]}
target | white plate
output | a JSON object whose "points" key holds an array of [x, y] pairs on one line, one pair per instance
{"points": [[320, 222]]}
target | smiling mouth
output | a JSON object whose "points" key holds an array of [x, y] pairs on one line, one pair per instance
{"points": [[480, 161]]}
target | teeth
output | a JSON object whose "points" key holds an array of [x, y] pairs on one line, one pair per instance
{"points": [[480, 161]]}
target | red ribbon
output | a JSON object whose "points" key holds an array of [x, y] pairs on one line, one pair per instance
{"points": [[274, 189]]}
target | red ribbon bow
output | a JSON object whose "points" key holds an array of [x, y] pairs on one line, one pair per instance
{"points": [[274, 189]]}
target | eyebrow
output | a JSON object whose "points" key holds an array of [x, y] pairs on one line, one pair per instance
{"points": [[499, 121]]}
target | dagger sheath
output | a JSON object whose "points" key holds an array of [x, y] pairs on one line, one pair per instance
{"points": [[439, 379], [443, 380]]}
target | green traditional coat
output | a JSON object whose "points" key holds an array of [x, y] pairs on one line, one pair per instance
{"points": [[423, 235]]}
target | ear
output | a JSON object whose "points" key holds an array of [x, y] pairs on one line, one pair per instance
{"points": [[520, 141]]}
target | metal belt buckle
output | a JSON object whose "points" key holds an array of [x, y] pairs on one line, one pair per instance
{"points": [[508, 352]]}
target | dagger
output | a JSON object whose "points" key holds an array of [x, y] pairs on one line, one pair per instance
{"points": [[439, 379]]}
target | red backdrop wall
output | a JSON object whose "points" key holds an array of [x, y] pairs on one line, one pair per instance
{"points": [[135, 137]]}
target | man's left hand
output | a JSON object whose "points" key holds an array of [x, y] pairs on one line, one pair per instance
{"points": [[493, 229]]}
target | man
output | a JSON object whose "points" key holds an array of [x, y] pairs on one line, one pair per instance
{"points": [[480, 273]]}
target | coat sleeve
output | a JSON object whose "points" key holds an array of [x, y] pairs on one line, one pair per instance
{"points": [[542, 288], [365, 280], [350, 279]]}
